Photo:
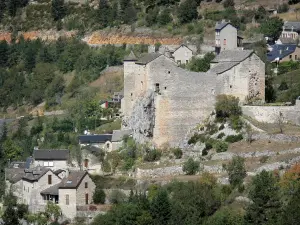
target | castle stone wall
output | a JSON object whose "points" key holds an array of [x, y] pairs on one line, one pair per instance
{"points": [[270, 114]]}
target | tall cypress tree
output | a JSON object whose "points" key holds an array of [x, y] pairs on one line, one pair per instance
{"points": [[4, 51], [103, 13], [161, 208], [58, 9]]}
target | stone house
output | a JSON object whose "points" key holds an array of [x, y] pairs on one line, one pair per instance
{"points": [[240, 73], [51, 158], [182, 55], [226, 37], [36, 186]]}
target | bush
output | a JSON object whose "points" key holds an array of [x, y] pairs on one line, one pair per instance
{"points": [[117, 197], [152, 155], [236, 123], [177, 153], [220, 135], [99, 196], [190, 167], [234, 138], [263, 159], [195, 138], [236, 171], [221, 127], [221, 146], [227, 105], [283, 8]]}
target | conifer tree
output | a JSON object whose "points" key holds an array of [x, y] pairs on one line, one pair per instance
{"points": [[103, 13], [58, 9], [161, 208]]}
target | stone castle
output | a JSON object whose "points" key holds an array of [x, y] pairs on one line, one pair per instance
{"points": [[162, 101]]}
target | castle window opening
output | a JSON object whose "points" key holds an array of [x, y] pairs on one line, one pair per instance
{"points": [[157, 87], [142, 84], [230, 86], [165, 88], [187, 61], [169, 72]]}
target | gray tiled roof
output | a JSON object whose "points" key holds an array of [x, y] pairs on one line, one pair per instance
{"points": [[148, 58], [233, 56], [221, 25], [73, 180], [292, 25], [222, 67], [119, 134], [14, 175], [130, 57], [56, 172], [53, 190], [35, 174], [51, 154], [99, 138]]}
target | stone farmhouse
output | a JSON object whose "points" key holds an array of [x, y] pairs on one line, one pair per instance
{"points": [[162, 101]]}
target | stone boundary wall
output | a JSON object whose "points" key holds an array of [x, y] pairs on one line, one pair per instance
{"points": [[270, 114]]}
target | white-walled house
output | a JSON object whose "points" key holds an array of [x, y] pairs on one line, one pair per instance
{"points": [[182, 55]]}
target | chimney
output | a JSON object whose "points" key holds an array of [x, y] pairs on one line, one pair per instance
{"points": [[223, 21]]}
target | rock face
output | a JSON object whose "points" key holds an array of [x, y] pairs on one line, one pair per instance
{"points": [[142, 119]]}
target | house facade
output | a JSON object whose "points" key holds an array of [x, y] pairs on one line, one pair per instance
{"points": [[290, 30], [226, 37], [51, 158], [182, 55]]}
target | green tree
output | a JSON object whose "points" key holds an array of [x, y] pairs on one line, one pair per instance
{"points": [[58, 9], [161, 208], [225, 217], [99, 196], [228, 3], [53, 211], [201, 65], [266, 206], [151, 17], [4, 51], [12, 6], [11, 150], [190, 167], [103, 13], [227, 105], [272, 27], [236, 171], [164, 17], [187, 11]]}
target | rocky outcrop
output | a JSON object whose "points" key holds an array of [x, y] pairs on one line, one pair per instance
{"points": [[142, 119]]}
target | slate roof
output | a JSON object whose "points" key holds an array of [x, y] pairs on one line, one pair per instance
{"points": [[99, 138], [288, 25], [14, 175], [222, 67], [35, 174], [130, 57], [119, 134], [280, 51], [51, 154], [232, 56], [221, 25], [56, 172], [183, 45], [53, 190], [73, 180], [148, 58]]}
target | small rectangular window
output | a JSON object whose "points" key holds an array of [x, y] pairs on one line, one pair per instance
{"points": [[67, 200], [157, 87], [86, 184], [49, 179], [51, 164], [46, 163], [86, 198], [290, 56], [296, 57], [224, 41]]}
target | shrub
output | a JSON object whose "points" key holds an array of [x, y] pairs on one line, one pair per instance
{"points": [[236, 123], [227, 105], [152, 155], [117, 197], [177, 153], [220, 135], [190, 167], [128, 163], [195, 138], [221, 146], [99, 196], [236, 171], [212, 128], [221, 127], [234, 138]]}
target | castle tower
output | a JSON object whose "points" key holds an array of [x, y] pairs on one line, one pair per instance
{"points": [[129, 84]]}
